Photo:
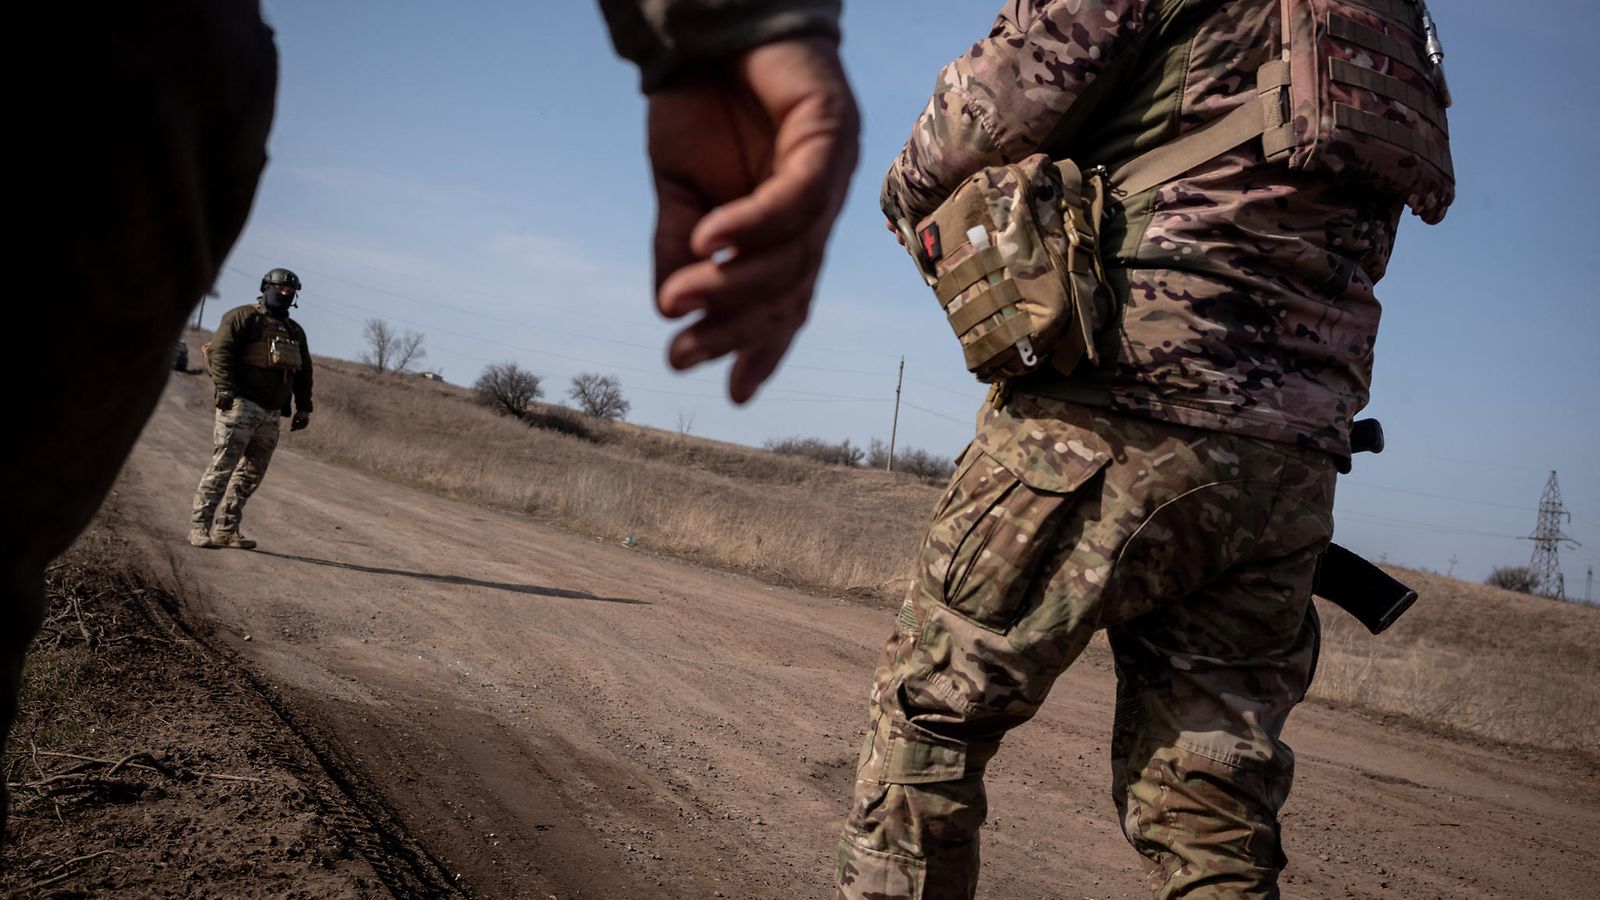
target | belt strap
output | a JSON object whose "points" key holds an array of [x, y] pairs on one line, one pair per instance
{"points": [[1175, 157]]}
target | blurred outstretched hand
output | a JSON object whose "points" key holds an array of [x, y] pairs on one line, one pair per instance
{"points": [[751, 158]]}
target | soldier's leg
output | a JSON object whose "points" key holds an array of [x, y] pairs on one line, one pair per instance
{"points": [[1204, 688], [1133, 515], [954, 677], [247, 475], [1059, 521], [231, 433], [148, 137]]}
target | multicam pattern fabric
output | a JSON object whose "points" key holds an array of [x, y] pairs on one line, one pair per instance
{"points": [[1365, 104], [663, 36], [1195, 549], [1040, 228], [1245, 288], [243, 439]]}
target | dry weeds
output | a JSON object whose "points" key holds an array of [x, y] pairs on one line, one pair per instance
{"points": [[1473, 658], [1468, 657], [795, 521]]}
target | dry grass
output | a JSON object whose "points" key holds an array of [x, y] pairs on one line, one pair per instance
{"points": [[796, 521], [1473, 658], [1468, 657]]}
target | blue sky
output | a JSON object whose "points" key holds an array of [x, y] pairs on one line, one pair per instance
{"points": [[476, 172]]}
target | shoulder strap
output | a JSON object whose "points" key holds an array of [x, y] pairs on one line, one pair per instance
{"points": [[1168, 161], [1261, 114]]}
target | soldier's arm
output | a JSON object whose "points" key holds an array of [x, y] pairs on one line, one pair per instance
{"points": [[1008, 95], [663, 36], [302, 378], [224, 352]]}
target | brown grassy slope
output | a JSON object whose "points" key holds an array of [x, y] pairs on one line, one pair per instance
{"points": [[792, 520], [1478, 659], [1469, 657]]}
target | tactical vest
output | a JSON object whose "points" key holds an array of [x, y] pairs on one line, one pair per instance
{"points": [[1356, 93], [275, 348]]}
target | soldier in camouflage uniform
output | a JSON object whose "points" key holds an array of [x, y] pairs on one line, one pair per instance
{"points": [[259, 361], [1177, 494]]}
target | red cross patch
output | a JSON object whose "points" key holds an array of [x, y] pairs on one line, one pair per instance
{"points": [[930, 242]]}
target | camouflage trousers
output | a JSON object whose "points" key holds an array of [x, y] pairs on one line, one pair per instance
{"points": [[242, 439], [1194, 549]]}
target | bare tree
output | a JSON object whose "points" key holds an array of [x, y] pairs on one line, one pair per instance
{"points": [[685, 423], [508, 388], [599, 395], [381, 341], [409, 351], [389, 350]]}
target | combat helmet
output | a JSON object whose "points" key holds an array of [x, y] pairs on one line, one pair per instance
{"points": [[280, 276]]}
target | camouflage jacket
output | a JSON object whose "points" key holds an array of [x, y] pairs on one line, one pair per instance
{"points": [[1245, 291], [272, 388], [662, 36]]}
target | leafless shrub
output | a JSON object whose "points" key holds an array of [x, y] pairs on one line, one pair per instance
{"points": [[562, 421], [1513, 578], [841, 454], [599, 395], [912, 461], [507, 388]]}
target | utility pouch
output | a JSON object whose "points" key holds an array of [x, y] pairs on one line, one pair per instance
{"points": [[1359, 95], [276, 348], [1012, 258], [283, 353]]}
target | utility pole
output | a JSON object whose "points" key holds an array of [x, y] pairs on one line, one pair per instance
{"points": [[894, 425], [1450, 572], [1547, 538], [1588, 587], [201, 314]]}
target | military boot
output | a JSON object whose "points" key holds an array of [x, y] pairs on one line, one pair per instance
{"points": [[231, 539], [200, 536]]}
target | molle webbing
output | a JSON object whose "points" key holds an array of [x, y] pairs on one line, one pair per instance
{"points": [[1383, 85], [968, 272], [1323, 92], [983, 304], [1393, 132], [1352, 32], [275, 348]]}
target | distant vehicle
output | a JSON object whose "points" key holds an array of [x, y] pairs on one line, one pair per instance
{"points": [[180, 357]]}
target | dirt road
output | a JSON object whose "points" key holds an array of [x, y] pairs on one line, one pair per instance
{"points": [[555, 715]]}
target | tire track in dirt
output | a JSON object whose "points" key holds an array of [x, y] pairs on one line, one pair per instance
{"points": [[352, 811]]}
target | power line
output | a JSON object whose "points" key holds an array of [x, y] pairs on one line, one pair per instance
{"points": [[936, 387], [1427, 526], [798, 395], [935, 414], [1344, 483], [530, 325]]}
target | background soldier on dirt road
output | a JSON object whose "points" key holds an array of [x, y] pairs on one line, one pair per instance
{"points": [[134, 230], [259, 362], [1177, 494]]}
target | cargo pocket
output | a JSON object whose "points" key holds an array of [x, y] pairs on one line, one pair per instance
{"points": [[898, 751], [996, 524]]}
